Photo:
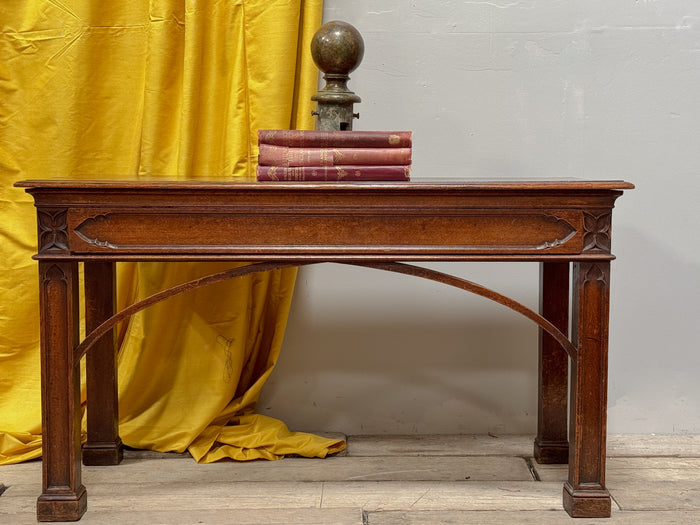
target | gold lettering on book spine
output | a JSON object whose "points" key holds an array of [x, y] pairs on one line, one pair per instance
{"points": [[394, 139], [327, 157]]}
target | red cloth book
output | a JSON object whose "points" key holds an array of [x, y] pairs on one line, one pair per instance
{"points": [[285, 156], [296, 138], [332, 173]]}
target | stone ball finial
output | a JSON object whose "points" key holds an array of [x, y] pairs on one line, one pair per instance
{"points": [[337, 48]]}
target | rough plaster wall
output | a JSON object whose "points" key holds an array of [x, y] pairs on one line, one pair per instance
{"points": [[518, 89]]}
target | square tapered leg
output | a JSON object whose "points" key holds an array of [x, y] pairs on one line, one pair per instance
{"points": [[551, 443], [63, 496], [585, 494], [103, 446]]}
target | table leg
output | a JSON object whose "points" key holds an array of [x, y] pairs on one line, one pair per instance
{"points": [[63, 495], [585, 494], [103, 446], [551, 444]]}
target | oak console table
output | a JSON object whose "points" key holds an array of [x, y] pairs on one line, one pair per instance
{"points": [[561, 224]]}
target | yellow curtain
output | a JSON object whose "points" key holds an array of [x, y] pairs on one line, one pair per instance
{"points": [[159, 88]]}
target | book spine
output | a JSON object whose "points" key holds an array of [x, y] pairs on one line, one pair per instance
{"points": [[296, 138], [333, 173], [270, 155], [285, 156]]}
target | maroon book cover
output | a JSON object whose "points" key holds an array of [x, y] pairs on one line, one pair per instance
{"points": [[332, 173], [296, 138], [285, 156]]}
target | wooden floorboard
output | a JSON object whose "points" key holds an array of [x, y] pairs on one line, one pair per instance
{"points": [[657, 495], [393, 468], [618, 445], [557, 517], [626, 469], [653, 445], [383, 480], [440, 445], [443, 495], [211, 517]]}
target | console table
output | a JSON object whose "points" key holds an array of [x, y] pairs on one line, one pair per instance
{"points": [[565, 225]]}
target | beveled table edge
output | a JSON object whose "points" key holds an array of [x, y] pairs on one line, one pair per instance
{"points": [[250, 184]]}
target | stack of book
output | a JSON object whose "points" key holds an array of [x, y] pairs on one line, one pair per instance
{"points": [[299, 155]]}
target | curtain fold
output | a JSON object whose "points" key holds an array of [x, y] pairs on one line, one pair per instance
{"points": [[142, 89]]}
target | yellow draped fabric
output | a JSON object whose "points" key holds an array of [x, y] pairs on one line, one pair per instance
{"points": [[159, 88]]}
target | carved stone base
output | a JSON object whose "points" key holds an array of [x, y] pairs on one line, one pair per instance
{"points": [[551, 452], [61, 507], [102, 454], [587, 503]]}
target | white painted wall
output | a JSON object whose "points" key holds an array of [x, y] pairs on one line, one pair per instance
{"points": [[508, 88]]}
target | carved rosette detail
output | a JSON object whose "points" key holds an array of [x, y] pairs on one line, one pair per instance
{"points": [[597, 232], [53, 232]]}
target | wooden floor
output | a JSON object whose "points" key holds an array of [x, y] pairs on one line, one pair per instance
{"points": [[380, 480]]}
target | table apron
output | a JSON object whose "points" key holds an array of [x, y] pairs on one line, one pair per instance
{"points": [[404, 233]]}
